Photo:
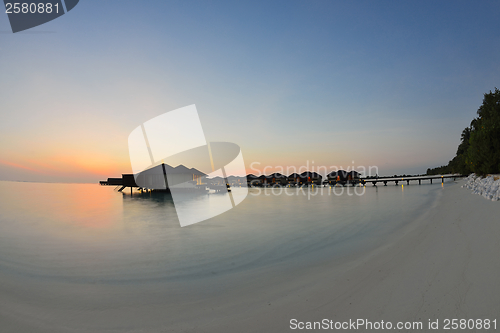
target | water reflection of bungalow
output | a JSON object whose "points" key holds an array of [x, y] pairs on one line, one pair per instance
{"points": [[342, 176]]}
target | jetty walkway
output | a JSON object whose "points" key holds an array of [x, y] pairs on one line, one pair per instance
{"points": [[396, 180]]}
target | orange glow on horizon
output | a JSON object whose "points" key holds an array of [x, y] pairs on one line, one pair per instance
{"points": [[81, 165], [15, 165], [94, 165]]}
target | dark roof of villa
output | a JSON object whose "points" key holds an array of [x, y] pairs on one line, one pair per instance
{"points": [[276, 175], [236, 177], [197, 172], [180, 169], [310, 174], [343, 173]]}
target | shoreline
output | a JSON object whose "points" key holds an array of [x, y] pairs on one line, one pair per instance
{"points": [[444, 264], [439, 263]]}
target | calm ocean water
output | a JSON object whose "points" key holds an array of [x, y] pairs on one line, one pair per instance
{"points": [[80, 255]]}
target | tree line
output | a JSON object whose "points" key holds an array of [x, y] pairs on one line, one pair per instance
{"points": [[479, 148]]}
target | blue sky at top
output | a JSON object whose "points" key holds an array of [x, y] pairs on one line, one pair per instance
{"points": [[384, 83]]}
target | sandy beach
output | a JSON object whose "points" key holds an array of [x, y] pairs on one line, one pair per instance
{"points": [[444, 265]]}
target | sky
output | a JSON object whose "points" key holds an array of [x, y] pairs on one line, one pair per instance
{"points": [[338, 84]]}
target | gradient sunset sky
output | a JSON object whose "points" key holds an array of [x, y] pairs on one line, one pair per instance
{"points": [[381, 83]]}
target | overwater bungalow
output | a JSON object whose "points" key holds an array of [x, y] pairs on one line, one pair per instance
{"points": [[342, 177], [154, 178], [253, 180], [217, 181], [309, 177], [277, 179], [294, 179], [263, 180], [236, 180]]}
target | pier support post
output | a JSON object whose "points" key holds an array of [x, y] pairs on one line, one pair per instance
{"points": [[419, 181], [442, 180], [431, 180], [408, 182], [385, 182], [396, 181]]}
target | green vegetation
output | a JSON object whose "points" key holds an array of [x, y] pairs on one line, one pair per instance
{"points": [[479, 149]]}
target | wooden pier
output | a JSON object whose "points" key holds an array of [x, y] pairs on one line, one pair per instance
{"points": [[396, 180], [128, 180]]}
